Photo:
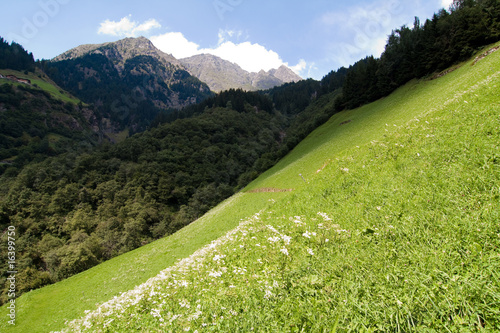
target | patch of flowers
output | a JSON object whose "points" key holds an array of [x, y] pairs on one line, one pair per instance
{"points": [[189, 294]]}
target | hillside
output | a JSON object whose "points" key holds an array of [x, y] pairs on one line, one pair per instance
{"points": [[391, 223], [222, 75], [38, 119], [130, 81], [78, 209]]}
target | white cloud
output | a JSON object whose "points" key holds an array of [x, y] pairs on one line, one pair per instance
{"points": [[301, 66], [176, 44], [446, 3], [127, 28], [252, 57]]}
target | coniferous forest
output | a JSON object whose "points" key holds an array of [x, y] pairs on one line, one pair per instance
{"points": [[77, 207]]}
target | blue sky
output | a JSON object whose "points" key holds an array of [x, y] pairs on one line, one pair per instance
{"points": [[311, 37]]}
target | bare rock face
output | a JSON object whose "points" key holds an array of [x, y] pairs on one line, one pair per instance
{"points": [[285, 74], [220, 74], [121, 51]]}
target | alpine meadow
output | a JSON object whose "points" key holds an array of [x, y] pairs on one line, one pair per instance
{"points": [[133, 198]]}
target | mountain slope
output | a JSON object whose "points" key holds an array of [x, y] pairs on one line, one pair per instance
{"points": [[400, 233], [38, 119], [129, 80], [222, 75], [359, 188]]}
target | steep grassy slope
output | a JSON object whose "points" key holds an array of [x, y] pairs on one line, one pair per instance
{"points": [[42, 81], [407, 235]]}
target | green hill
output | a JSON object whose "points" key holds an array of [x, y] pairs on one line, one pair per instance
{"points": [[389, 222], [38, 119]]}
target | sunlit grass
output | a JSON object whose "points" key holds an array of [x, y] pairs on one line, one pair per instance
{"points": [[41, 81], [398, 235], [395, 229]]}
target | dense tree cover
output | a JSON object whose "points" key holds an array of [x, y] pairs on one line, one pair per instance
{"points": [[447, 38], [33, 126], [75, 210], [14, 56], [232, 98]]}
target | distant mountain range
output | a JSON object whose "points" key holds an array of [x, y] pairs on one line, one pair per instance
{"points": [[217, 73], [220, 74], [131, 81]]}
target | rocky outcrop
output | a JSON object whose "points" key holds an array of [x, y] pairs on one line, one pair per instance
{"points": [[220, 74]]}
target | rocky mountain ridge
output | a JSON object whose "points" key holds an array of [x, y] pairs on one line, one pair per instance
{"points": [[220, 74], [120, 51], [130, 80], [217, 73]]}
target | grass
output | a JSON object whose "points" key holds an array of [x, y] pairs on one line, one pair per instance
{"points": [[40, 80], [395, 229], [47, 309]]}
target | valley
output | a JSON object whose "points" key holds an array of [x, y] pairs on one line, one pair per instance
{"points": [[140, 192]]}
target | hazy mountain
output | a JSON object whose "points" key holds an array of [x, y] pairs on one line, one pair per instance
{"points": [[221, 74], [131, 80]]}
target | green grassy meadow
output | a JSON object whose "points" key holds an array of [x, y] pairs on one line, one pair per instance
{"points": [[43, 82], [396, 228]]}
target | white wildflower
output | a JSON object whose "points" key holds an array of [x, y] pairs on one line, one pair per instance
{"points": [[195, 315], [183, 283], [239, 270], [344, 169], [270, 227], [310, 251], [286, 239], [324, 216], [308, 234], [184, 304], [155, 313], [273, 239], [217, 257], [215, 273], [284, 251]]}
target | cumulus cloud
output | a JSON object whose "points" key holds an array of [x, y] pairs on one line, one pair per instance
{"points": [[126, 27], [176, 44], [446, 3], [252, 57], [300, 67]]}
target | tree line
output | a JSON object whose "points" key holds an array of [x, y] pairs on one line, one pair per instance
{"points": [[14, 56], [412, 53]]}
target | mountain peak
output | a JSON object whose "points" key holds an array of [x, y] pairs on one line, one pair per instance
{"points": [[285, 74], [222, 74], [120, 50]]}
